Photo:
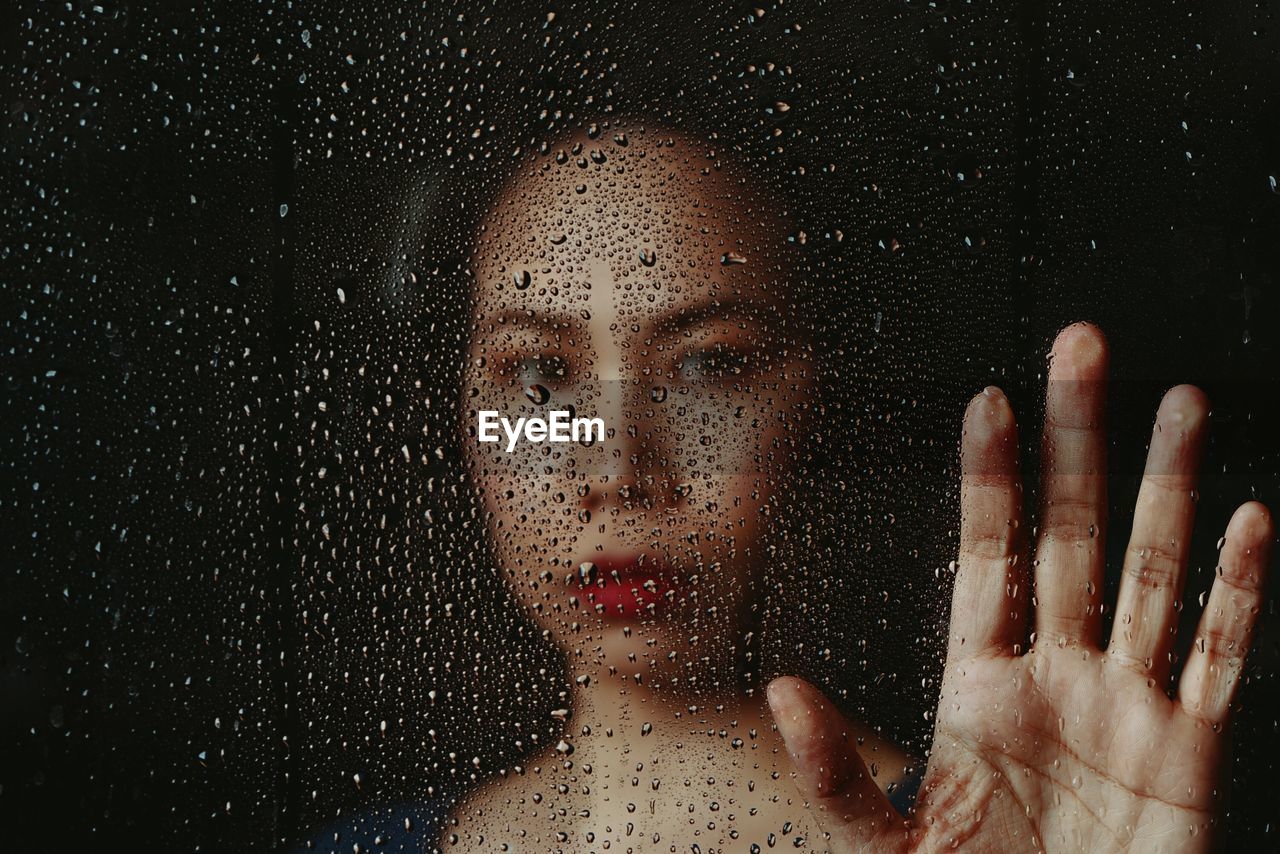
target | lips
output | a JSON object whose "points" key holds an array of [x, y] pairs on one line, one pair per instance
{"points": [[626, 584]]}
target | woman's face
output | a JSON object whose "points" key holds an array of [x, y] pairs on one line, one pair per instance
{"points": [[631, 280]]}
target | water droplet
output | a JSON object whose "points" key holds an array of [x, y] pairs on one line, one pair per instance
{"points": [[537, 394], [966, 171], [522, 279], [648, 257], [889, 245]]}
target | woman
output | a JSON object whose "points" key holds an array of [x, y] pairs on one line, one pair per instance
{"points": [[629, 278], [632, 276]]}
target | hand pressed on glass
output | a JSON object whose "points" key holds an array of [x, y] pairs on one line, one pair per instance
{"points": [[1062, 744]]}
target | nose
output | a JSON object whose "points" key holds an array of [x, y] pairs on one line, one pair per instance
{"points": [[631, 471]]}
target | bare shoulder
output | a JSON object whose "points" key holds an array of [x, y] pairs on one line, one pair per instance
{"points": [[494, 816]]}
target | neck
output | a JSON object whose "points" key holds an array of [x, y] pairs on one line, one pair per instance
{"points": [[625, 707], [628, 723]]}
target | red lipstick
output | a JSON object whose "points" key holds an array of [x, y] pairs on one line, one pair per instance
{"points": [[625, 583]]}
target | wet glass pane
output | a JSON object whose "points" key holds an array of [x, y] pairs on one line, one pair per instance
{"points": [[285, 569]]}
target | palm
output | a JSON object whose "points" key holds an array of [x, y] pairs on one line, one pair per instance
{"points": [[1022, 739], [1046, 739]]}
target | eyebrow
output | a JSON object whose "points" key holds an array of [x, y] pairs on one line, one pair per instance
{"points": [[675, 321], [715, 310], [551, 323]]}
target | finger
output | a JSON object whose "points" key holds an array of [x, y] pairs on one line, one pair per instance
{"points": [[829, 772], [1155, 563], [988, 606], [1217, 657], [1070, 550]]}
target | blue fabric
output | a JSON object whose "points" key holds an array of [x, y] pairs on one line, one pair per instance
{"points": [[904, 794], [380, 829]]}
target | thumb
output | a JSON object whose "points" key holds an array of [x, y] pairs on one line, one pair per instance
{"points": [[829, 773]]}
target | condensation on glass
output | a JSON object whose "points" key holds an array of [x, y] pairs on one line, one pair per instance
{"points": [[264, 266]]}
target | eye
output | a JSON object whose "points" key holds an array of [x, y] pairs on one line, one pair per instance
{"points": [[716, 362], [543, 370]]}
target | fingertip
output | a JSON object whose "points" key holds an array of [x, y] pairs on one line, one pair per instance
{"points": [[990, 399], [1079, 352], [1251, 525], [789, 695], [1080, 328], [780, 690], [988, 421], [1184, 407]]}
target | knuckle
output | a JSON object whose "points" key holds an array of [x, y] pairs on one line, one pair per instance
{"points": [[1070, 528], [1240, 578], [1152, 567], [989, 544], [1221, 645]]}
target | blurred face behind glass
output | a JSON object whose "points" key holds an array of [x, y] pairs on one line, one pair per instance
{"points": [[632, 278]]}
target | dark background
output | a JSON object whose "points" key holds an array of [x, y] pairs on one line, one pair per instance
{"points": [[202, 633]]}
